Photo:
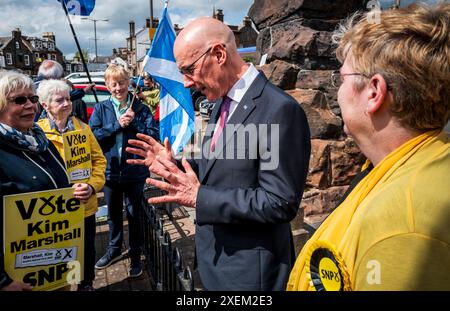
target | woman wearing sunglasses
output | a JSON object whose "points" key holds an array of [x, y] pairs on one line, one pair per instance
{"points": [[29, 162]]}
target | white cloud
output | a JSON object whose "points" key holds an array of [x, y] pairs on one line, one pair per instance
{"points": [[35, 17]]}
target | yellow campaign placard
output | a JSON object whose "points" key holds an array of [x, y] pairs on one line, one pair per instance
{"points": [[77, 155], [43, 242]]}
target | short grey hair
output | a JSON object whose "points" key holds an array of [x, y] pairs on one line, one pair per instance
{"points": [[48, 88], [50, 69], [11, 81]]}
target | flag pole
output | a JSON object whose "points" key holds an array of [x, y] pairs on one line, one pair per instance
{"points": [[135, 89], [78, 47], [166, 3]]}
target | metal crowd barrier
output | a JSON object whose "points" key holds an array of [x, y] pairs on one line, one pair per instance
{"points": [[162, 259]]}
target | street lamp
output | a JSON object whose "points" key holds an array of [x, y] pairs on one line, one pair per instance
{"points": [[95, 31]]}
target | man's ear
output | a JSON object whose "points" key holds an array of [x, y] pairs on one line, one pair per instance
{"points": [[377, 92], [220, 54], [44, 105]]}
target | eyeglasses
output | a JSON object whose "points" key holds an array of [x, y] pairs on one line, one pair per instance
{"points": [[189, 70], [22, 100], [336, 78]]}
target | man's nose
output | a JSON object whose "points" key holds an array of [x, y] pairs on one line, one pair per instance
{"points": [[188, 82]]}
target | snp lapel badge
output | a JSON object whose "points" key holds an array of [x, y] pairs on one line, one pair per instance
{"points": [[326, 269]]}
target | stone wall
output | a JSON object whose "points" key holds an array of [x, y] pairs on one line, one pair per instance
{"points": [[296, 36]]}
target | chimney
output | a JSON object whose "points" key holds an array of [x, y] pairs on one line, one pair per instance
{"points": [[219, 15], [131, 34], [16, 33], [247, 21], [155, 22], [49, 35]]}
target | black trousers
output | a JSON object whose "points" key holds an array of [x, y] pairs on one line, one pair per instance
{"points": [[89, 250], [116, 194]]}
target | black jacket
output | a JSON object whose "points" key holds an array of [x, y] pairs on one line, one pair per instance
{"points": [[19, 174]]}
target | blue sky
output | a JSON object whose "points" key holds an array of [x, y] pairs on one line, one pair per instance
{"points": [[37, 16]]}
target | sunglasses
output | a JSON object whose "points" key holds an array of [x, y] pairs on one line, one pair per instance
{"points": [[22, 100]]}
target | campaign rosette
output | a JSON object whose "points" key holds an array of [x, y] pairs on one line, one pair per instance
{"points": [[326, 269]]}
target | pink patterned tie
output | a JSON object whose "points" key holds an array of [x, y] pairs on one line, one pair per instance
{"points": [[224, 111]]}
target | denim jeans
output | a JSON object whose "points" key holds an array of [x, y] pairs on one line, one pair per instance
{"points": [[115, 194]]}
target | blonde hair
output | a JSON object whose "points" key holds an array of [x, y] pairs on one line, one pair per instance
{"points": [[410, 48], [49, 88], [115, 71], [11, 81]]}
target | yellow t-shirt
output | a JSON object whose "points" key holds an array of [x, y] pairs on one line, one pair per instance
{"points": [[151, 99], [392, 232]]}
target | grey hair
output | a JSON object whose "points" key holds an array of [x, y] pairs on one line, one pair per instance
{"points": [[11, 81], [48, 88], [49, 69], [342, 28]]}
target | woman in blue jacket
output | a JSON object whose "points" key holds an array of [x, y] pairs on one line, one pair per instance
{"points": [[114, 122]]}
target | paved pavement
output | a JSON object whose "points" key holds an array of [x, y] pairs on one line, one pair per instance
{"points": [[115, 277], [180, 226]]}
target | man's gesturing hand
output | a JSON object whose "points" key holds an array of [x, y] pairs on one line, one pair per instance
{"points": [[148, 148], [182, 187]]}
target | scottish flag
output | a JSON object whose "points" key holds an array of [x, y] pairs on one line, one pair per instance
{"points": [[79, 7], [176, 112]]}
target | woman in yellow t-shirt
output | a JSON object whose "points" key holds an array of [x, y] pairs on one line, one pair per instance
{"points": [[392, 231]]}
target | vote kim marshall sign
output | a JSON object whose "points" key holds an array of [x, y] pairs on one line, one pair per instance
{"points": [[77, 155], [43, 241]]}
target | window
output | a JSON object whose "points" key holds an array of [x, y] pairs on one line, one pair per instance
{"points": [[36, 55], [27, 59], [17, 45], [51, 46], [38, 44], [49, 56], [9, 59], [53, 57]]}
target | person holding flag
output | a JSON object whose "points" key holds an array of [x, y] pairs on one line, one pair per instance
{"points": [[113, 122], [243, 203]]}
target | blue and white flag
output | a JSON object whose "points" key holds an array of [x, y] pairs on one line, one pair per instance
{"points": [[79, 7], [176, 112]]}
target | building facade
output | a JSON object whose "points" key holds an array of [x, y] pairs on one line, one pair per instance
{"points": [[27, 53]]}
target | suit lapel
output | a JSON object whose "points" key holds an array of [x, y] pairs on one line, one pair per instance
{"points": [[238, 118]]}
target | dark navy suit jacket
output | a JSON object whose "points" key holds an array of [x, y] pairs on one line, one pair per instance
{"points": [[245, 203]]}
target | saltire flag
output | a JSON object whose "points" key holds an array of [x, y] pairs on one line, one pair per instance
{"points": [[79, 7], [177, 119]]}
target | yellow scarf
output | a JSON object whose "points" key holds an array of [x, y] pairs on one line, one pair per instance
{"points": [[337, 238]]}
